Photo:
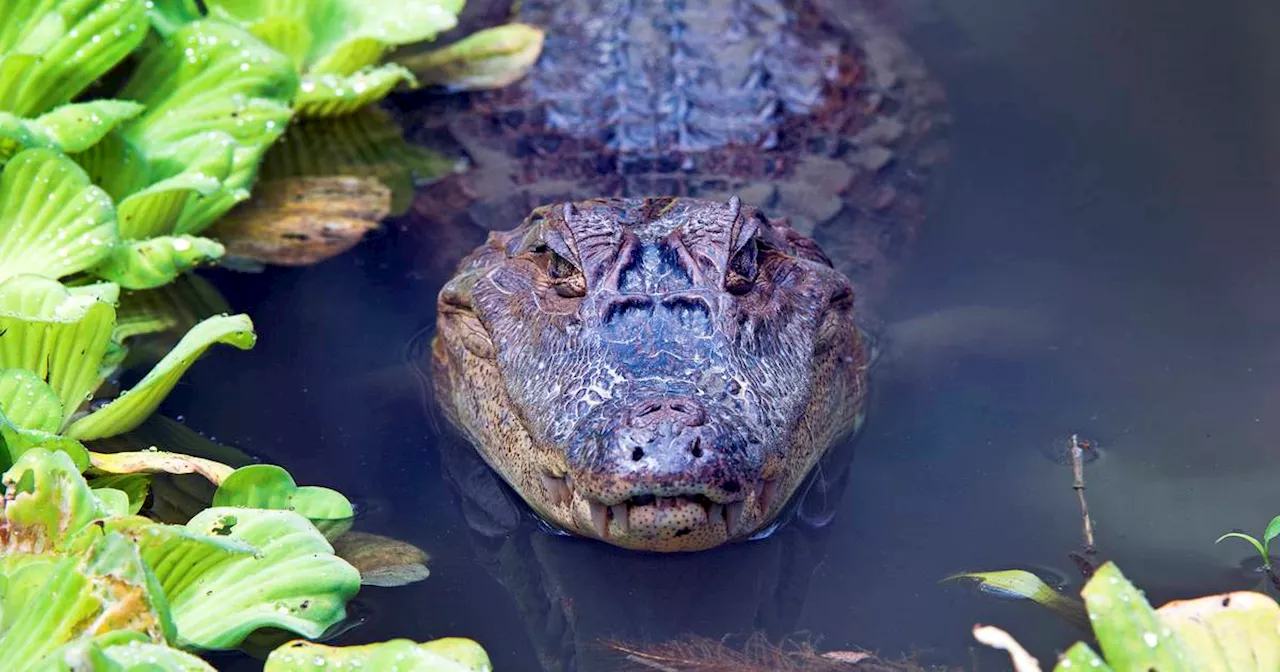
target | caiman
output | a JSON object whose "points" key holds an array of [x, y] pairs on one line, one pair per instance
{"points": [[708, 199]]}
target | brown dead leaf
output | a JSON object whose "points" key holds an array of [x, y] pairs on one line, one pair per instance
{"points": [[159, 462], [298, 221], [382, 561]]}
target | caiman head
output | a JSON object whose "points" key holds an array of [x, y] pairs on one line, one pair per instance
{"points": [[661, 374]]}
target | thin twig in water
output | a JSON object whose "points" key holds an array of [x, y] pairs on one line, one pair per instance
{"points": [[1077, 470]]}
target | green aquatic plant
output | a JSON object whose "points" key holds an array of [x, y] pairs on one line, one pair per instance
{"points": [[77, 569], [1261, 546], [215, 100], [450, 654], [487, 59], [1235, 631], [336, 45], [50, 52], [82, 579]]}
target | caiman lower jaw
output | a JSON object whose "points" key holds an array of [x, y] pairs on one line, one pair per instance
{"points": [[680, 522]]}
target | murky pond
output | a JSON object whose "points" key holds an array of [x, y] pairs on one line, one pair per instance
{"points": [[1111, 195]]}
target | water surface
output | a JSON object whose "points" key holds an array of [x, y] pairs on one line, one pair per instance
{"points": [[1112, 184]]}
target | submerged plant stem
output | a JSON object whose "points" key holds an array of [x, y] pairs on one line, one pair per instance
{"points": [[1077, 471]]}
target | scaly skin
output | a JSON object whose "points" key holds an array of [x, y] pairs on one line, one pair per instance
{"points": [[660, 374]]}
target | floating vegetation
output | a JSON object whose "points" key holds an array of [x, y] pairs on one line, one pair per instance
{"points": [[106, 205], [1234, 631]]}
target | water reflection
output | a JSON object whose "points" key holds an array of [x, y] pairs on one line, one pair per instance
{"points": [[1112, 173]]}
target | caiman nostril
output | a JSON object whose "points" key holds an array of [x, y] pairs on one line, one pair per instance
{"points": [[696, 448], [637, 453]]}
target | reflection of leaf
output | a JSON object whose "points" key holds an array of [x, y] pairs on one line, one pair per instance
{"points": [[488, 59], [324, 185], [292, 580], [53, 221], [451, 654], [131, 408], [382, 561], [174, 307]]}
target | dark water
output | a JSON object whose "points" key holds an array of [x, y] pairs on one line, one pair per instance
{"points": [[1112, 187]]}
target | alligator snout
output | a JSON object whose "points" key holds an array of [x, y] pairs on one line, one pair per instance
{"points": [[665, 466]]}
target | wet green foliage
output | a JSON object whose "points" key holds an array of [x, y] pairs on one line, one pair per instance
{"points": [[104, 205]]}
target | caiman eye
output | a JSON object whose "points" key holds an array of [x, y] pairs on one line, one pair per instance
{"points": [[566, 279], [740, 277]]}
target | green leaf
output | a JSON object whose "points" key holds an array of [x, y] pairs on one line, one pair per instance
{"points": [[151, 263], [112, 502], [53, 221], [107, 589], [70, 128], [59, 336], [290, 580], [1128, 630], [131, 408], [451, 654], [1273, 530], [266, 486], [134, 486], [1021, 584], [52, 50], [28, 402], [30, 416], [330, 95], [150, 657], [216, 98], [78, 126], [158, 208], [48, 503], [167, 16], [1235, 632], [1257, 545], [488, 59], [1081, 657]]}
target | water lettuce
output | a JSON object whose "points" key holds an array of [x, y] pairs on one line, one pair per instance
{"points": [[50, 52], [337, 45], [73, 569]]}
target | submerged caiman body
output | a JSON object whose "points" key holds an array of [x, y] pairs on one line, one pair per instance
{"points": [[647, 357]]}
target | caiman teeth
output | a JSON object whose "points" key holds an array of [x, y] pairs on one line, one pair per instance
{"points": [[619, 513], [733, 515], [557, 489], [715, 514], [765, 493], [599, 518]]}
